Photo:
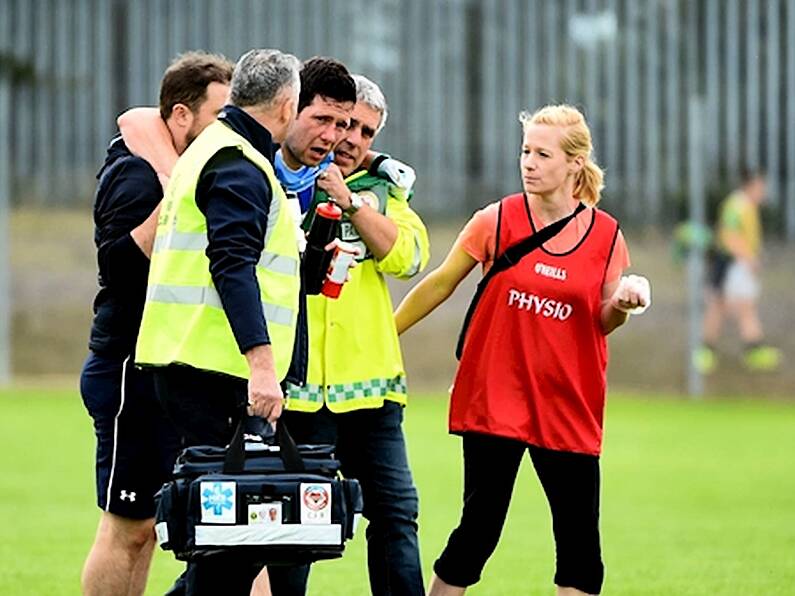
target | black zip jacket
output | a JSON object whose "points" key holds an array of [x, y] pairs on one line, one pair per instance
{"points": [[128, 190]]}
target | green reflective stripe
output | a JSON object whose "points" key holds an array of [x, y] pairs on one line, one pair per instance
{"points": [[308, 392], [278, 263], [208, 296], [348, 391], [174, 240], [369, 388]]}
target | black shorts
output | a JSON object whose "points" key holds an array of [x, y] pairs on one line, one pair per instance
{"points": [[136, 445], [717, 267]]}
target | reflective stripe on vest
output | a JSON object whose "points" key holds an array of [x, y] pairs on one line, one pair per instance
{"points": [[209, 297], [197, 241], [340, 392]]}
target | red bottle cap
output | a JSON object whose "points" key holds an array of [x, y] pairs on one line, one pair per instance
{"points": [[329, 210], [331, 290]]}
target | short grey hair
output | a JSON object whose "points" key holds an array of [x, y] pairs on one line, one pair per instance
{"points": [[260, 76], [370, 94]]}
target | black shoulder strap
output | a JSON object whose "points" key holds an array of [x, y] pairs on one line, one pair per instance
{"points": [[499, 230], [508, 259]]}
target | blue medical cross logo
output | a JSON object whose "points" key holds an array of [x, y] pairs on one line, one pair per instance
{"points": [[217, 498]]}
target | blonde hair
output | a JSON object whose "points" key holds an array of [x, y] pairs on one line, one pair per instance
{"points": [[576, 141]]}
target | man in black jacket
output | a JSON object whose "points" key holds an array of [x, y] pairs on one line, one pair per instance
{"points": [[135, 445]]}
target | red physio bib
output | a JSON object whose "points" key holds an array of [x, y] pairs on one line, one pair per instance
{"points": [[534, 363]]}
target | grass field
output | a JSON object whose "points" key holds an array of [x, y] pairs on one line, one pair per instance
{"points": [[698, 498]]}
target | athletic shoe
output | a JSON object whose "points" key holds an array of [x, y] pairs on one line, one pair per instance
{"points": [[705, 360], [762, 358]]}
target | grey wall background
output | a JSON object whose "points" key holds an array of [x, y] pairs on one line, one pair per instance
{"points": [[456, 73]]}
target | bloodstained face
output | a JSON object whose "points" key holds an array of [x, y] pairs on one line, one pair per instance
{"points": [[316, 131]]}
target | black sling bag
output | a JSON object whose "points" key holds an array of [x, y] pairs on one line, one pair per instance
{"points": [[508, 259]]}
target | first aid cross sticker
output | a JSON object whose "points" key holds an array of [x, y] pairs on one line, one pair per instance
{"points": [[218, 502]]}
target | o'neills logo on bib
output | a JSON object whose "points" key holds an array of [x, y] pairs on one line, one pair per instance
{"points": [[550, 271], [545, 307]]}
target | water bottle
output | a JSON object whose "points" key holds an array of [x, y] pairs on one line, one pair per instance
{"points": [[344, 255], [315, 264]]}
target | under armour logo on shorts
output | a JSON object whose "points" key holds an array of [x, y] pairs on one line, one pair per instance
{"points": [[125, 496]]}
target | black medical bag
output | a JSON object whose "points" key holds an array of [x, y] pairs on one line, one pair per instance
{"points": [[263, 498]]}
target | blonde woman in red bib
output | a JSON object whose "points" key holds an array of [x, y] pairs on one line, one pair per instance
{"points": [[532, 370]]}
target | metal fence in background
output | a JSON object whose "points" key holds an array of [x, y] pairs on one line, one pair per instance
{"points": [[456, 74]]}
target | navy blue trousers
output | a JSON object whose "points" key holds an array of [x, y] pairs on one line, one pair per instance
{"points": [[371, 448]]}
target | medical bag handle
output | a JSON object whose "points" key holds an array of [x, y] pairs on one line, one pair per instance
{"points": [[508, 259], [234, 462]]}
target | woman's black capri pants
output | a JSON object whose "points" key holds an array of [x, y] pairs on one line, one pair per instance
{"points": [[571, 484]]}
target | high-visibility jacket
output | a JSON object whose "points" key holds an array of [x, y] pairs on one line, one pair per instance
{"points": [[184, 320], [354, 353]]}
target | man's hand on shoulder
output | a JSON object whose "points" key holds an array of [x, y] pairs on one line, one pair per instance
{"points": [[144, 234], [265, 397]]}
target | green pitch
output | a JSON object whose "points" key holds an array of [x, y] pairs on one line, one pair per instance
{"points": [[698, 498]]}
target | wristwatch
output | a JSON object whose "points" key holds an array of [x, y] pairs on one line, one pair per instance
{"points": [[356, 203]]}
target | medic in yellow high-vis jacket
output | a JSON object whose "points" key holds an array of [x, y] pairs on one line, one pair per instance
{"points": [[356, 386], [354, 354]]}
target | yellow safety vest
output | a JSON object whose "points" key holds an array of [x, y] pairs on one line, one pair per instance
{"points": [[354, 352], [184, 320]]}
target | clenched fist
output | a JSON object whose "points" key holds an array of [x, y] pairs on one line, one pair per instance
{"points": [[633, 295]]}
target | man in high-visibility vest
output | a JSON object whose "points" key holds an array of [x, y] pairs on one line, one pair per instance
{"points": [[356, 387], [136, 447], [222, 301]]}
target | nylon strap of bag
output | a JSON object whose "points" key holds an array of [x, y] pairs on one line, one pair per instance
{"points": [[508, 259], [234, 461]]}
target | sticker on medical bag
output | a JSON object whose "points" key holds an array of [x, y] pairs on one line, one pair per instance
{"points": [[268, 514], [161, 531], [315, 503], [218, 502]]}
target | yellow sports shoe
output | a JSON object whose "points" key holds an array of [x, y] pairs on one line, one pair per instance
{"points": [[705, 360], [762, 358]]}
